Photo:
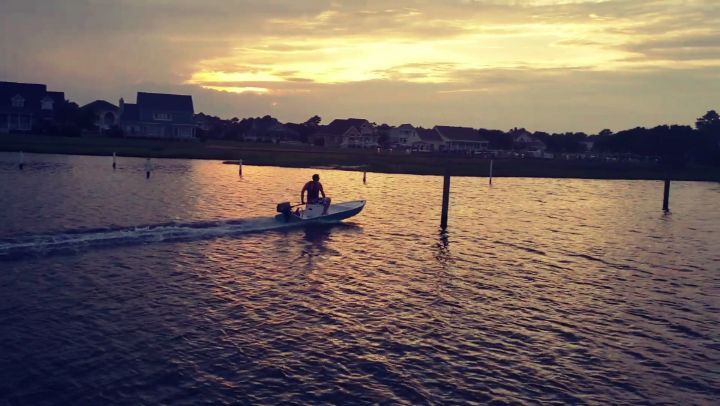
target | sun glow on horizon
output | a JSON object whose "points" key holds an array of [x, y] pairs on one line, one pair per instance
{"points": [[237, 89], [405, 55]]}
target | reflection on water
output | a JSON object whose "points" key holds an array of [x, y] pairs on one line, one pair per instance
{"points": [[443, 248], [316, 238], [542, 290]]}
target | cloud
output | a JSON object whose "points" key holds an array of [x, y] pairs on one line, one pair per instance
{"points": [[517, 62]]}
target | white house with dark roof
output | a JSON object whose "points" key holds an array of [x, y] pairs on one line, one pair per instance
{"points": [[347, 133], [429, 140], [527, 143], [404, 135], [462, 139], [24, 106], [157, 115]]}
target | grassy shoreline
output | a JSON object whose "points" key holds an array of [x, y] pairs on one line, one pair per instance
{"points": [[303, 156]]}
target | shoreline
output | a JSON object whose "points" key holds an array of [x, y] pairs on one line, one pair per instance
{"points": [[306, 156]]}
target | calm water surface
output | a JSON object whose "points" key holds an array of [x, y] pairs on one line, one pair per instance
{"points": [[572, 291]]}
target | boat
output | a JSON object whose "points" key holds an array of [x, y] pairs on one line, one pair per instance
{"points": [[313, 213]]}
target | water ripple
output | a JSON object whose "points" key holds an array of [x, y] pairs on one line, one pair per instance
{"points": [[541, 291]]}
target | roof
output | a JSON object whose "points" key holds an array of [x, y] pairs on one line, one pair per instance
{"points": [[31, 92], [429, 135], [168, 102], [459, 133], [130, 112], [322, 130], [406, 127], [58, 97], [340, 126], [100, 105]]}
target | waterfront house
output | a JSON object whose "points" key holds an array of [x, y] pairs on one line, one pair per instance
{"points": [[258, 129], [588, 145], [270, 131], [403, 136], [528, 144], [322, 137], [157, 115], [106, 114], [462, 139], [429, 140], [348, 133], [25, 106]]}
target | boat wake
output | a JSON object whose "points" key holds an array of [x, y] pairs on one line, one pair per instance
{"points": [[74, 241]]}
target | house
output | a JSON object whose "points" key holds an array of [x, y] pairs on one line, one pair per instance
{"points": [[525, 142], [323, 137], [205, 122], [106, 114], [347, 133], [588, 145], [258, 129], [403, 136], [157, 115], [462, 139], [270, 131], [24, 106], [283, 134], [429, 140]]}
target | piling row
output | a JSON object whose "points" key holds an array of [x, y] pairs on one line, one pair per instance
{"points": [[446, 184]]}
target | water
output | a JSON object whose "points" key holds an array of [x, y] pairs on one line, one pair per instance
{"points": [[572, 291]]}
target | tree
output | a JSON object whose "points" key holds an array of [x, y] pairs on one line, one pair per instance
{"points": [[313, 121], [708, 150], [498, 139], [709, 122]]}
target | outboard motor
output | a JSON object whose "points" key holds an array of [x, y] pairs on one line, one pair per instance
{"points": [[286, 209]]}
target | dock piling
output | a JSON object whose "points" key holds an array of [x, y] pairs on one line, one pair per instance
{"points": [[114, 163], [240, 168], [491, 168], [21, 161], [445, 200], [364, 177], [666, 196]]}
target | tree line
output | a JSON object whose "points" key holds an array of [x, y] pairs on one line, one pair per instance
{"points": [[672, 143]]}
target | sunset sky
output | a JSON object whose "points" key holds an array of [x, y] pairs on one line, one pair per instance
{"points": [[551, 65]]}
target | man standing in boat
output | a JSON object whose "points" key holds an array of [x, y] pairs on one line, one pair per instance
{"points": [[314, 189]]}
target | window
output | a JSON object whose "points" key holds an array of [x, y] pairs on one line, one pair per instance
{"points": [[162, 116], [46, 103], [18, 101]]}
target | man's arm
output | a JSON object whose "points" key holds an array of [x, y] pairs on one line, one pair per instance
{"points": [[302, 194], [322, 192]]}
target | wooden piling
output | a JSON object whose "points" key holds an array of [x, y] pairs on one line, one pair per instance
{"points": [[666, 196], [21, 161], [365, 177], [491, 168], [114, 164], [148, 168], [240, 167], [445, 200]]}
